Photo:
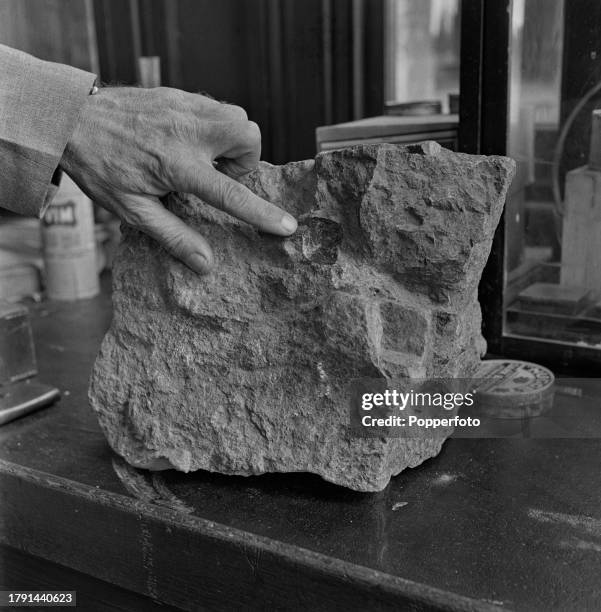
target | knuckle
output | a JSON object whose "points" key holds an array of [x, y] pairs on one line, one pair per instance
{"points": [[175, 242], [207, 97], [237, 112], [168, 167], [172, 123], [157, 166], [253, 133], [159, 145], [135, 216], [234, 195], [173, 97]]}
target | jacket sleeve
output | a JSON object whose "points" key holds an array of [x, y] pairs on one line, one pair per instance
{"points": [[40, 104]]}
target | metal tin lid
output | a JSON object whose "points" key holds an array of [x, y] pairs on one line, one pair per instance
{"points": [[512, 385]]}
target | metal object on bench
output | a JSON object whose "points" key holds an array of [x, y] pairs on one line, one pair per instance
{"points": [[17, 356], [18, 396]]}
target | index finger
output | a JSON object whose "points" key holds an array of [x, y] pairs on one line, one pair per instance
{"points": [[228, 195]]}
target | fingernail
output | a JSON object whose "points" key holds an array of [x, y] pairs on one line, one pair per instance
{"points": [[199, 263], [288, 223]]}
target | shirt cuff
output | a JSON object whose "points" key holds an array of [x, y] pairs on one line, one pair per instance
{"points": [[40, 104]]}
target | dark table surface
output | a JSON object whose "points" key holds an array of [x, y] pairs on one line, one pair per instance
{"points": [[489, 523]]}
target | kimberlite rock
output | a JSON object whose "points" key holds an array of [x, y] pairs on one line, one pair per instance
{"points": [[251, 368]]}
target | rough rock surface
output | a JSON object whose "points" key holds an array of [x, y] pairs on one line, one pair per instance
{"points": [[248, 370]]}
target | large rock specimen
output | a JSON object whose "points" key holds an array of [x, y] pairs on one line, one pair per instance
{"points": [[249, 369]]}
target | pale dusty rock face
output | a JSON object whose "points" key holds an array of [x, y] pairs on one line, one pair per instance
{"points": [[248, 370]]}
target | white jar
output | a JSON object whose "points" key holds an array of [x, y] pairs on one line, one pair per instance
{"points": [[69, 244]]}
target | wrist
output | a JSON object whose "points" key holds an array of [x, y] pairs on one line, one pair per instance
{"points": [[72, 154]]}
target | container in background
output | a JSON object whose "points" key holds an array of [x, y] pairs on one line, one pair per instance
{"points": [[69, 245]]}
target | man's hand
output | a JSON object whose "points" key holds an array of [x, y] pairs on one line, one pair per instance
{"points": [[133, 146]]}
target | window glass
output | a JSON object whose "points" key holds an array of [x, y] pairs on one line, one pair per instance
{"points": [[553, 213], [422, 40]]}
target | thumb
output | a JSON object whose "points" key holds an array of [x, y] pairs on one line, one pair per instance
{"points": [[147, 214]]}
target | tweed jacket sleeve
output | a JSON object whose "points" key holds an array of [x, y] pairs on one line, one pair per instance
{"points": [[39, 106]]}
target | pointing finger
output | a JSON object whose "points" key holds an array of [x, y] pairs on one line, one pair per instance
{"points": [[150, 216], [234, 198]]}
